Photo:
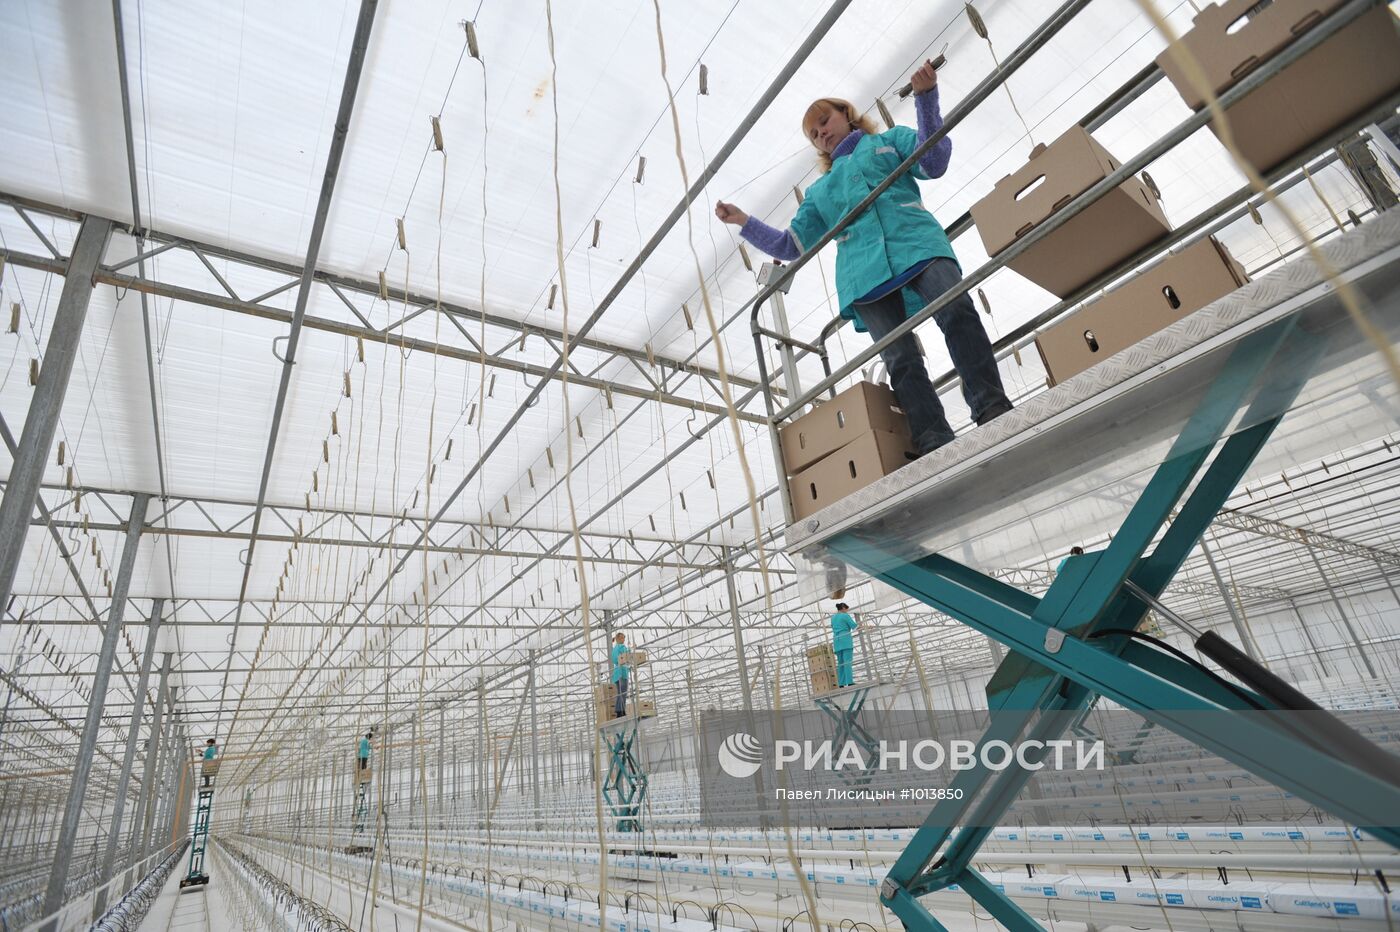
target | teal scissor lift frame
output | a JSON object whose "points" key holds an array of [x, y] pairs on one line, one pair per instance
{"points": [[625, 788], [843, 707], [199, 840], [1063, 653], [361, 806]]}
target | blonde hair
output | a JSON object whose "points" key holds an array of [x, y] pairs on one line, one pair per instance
{"points": [[847, 109]]}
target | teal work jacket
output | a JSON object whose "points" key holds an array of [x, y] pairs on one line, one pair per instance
{"points": [[842, 625], [619, 669], [364, 748], [894, 234]]}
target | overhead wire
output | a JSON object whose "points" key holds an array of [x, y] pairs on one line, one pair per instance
{"points": [[586, 623]]}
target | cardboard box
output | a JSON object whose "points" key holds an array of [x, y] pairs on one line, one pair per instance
{"points": [[606, 711], [1353, 70], [364, 776], [835, 423], [1175, 287], [823, 682], [821, 658], [634, 658], [866, 458], [1113, 228]]}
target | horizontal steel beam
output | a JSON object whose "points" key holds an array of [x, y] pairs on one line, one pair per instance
{"points": [[368, 334], [1318, 540], [368, 288], [386, 545]]}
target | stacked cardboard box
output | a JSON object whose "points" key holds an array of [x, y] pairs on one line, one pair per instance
{"points": [[604, 701], [1340, 79], [843, 445], [1173, 288], [642, 708], [634, 658], [364, 776], [1114, 227], [821, 664]]}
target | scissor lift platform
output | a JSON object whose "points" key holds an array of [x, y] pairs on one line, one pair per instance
{"points": [[625, 787], [1144, 449]]}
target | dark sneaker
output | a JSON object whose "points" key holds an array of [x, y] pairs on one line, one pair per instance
{"points": [[942, 442], [994, 412]]}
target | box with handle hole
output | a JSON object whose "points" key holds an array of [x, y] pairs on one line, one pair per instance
{"points": [[1179, 285], [1105, 233]]}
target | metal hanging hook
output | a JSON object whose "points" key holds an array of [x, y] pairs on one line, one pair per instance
{"points": [[280, 357]]}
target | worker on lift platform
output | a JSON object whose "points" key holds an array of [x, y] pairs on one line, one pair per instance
{"points": [[363, 754], [893, 259], [842, 626], [210, 765], [620, 675]]}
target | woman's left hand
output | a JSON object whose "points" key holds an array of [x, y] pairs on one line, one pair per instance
{"points": [[925, 79]]}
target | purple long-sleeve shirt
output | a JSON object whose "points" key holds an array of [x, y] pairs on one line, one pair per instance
{"points": [[779, 243]]}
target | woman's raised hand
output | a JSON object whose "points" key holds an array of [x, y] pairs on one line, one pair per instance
{"points": [[728, 213], [924, 79]]}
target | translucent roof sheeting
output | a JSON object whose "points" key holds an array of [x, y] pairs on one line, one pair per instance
{"points": [[391, 408]]}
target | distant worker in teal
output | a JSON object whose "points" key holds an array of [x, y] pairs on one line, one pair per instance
{"points": [[1075, 551], [842, 624], [210, 766], [620, 675], [364, 750]]}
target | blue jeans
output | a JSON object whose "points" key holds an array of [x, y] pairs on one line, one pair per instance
{"points": [[968, 346], [620, 708], [845, 674]]}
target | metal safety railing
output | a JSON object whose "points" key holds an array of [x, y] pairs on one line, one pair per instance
{"points": [[1207, 222]]}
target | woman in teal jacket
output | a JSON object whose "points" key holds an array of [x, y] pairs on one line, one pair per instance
{"points": [[893, 259], [621, 673], [842, 624]]}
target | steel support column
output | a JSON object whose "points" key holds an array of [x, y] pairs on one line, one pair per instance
{"points": [[41, 422], [1229, 599], [743, 671], [534, 746], [1346, 619], [738, 630], [145, 803], [1312, 642], [82, 766], [132, 730]]}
